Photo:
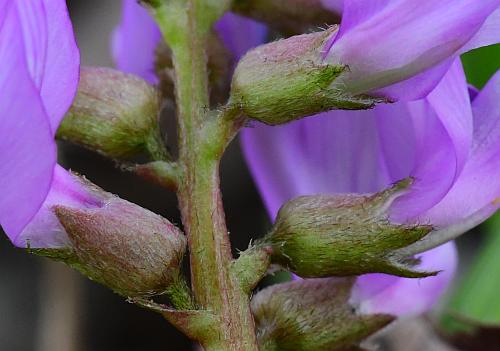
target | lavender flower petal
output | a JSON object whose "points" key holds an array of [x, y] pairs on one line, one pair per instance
{"points": [[388, 41], [478, 183], [231, 26], [443, 127], [365, 151], [52, 55], [328, 153], [134, 41], [62, 63], [45, 230], [40, 64], [28, 149], [488, 34], [407, 297]]}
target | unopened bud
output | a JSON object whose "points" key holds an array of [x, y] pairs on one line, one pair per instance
{"points": [[288, 16], [344, 235], [120, 245], [115, 114], [287, 80], [311, 315]]}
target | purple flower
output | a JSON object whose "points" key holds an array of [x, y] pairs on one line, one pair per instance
{"points": [[453, 156], [137, 36], [402, 48], [38, 80], [45, 230], [134, 41]]}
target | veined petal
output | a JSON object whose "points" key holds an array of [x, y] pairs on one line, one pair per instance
{"points": [[334, 152], [45, 230], [384, 42], [134, 41], [366, 151], [27, 148], [479, 182], [51, 53], [404, 297], [418, 86], [488, 34], [443, 130], [60, 79]]}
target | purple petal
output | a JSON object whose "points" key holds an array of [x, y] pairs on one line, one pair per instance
{"points": [[62, 63], [478, 187], [27, 147], [418, 86], [333, 152], [45, 230], [443, 128], [379, 293], [134, 41], [388, 41], [52, 54], [489, 33], [230, 28], [365, 151]]}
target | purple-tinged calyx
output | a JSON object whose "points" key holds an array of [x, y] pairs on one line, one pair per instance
{"points": [[119, 244]]}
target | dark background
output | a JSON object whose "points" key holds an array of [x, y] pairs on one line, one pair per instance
{"points": [[45, 306]]}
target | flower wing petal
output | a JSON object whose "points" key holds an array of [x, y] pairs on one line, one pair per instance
{"points": [[27, 147]]}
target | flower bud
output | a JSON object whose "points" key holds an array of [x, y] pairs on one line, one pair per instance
{"points": [[119, 244], [115, 114], [287, 80], [288, 16], [344, 235], [311, 315]]}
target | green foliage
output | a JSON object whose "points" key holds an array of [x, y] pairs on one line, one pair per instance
{"points": [[481, 64], [475, 301]]}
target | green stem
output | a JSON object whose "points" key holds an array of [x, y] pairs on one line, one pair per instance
{"points": [[201, 144]]}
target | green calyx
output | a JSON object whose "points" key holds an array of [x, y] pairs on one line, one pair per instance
{"points": [[344, 235], [287, 80], [115, 114], [311, 315]]}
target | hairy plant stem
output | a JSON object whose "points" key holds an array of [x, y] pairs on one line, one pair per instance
{"points": [[202, 140]]}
